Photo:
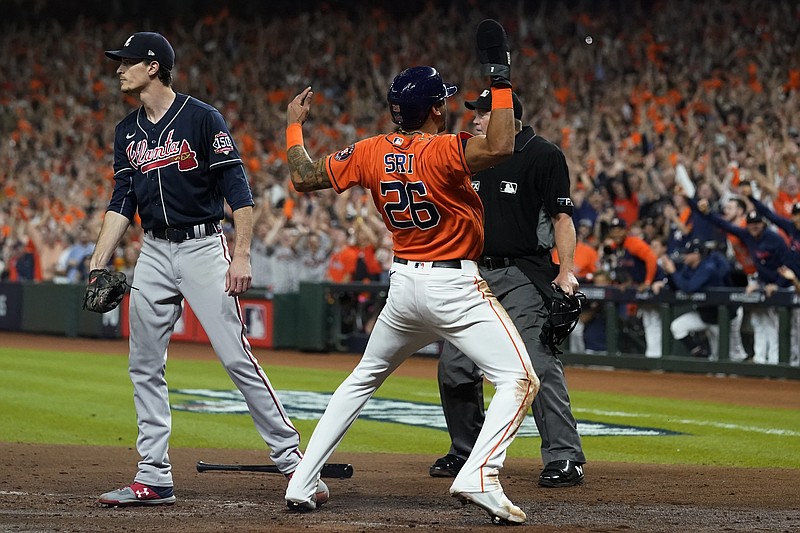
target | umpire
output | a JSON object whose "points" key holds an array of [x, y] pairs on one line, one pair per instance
{"points": [[527, 210]]}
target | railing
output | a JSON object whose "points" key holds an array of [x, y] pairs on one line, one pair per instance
{"points": [[325, 317], [670, 304]]}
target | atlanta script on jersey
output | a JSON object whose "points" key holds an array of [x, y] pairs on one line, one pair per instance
{"points": [[178, 171]]}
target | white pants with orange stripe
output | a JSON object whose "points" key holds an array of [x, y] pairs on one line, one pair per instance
{"points": [[426, 303]]}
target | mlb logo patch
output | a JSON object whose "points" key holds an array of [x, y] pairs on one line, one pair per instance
{"points": [[508, 187]]}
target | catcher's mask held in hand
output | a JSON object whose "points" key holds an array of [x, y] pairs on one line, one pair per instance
{"points": [[564, 314]]}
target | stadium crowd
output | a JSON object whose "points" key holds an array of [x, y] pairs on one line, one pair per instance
{"points": [[668, 113]]}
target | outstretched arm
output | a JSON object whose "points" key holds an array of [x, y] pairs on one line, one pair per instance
{"points": [[702, 209], [784, 223], [307, 175]]}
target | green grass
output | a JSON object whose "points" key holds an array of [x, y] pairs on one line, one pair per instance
{"points": [[71, 398]]}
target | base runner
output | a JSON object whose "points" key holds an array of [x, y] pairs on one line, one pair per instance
{"points": [[419, 178]]}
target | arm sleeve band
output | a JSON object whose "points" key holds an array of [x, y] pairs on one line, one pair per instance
{"points": [[294, 134], [501, 98]]}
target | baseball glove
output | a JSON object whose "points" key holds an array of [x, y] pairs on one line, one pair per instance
{"points": [[564, 314], [493, 52], [105, 290]]}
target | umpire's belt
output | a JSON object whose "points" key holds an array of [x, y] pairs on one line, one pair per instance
{"points": [[455, 263], [493, 263], [186, 233]]}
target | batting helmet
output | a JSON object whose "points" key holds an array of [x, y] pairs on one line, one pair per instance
{"points": [[565, 311], [412, 94]]}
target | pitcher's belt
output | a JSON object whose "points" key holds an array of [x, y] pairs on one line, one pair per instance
{"points": [[186, 233]]}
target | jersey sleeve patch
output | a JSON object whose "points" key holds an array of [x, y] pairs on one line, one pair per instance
{"points": [[342, 155], [222, 143]]}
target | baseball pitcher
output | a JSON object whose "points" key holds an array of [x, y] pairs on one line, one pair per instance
{"points": [[175, 162]]}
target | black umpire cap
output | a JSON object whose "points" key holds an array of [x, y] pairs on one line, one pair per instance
{"points": [[146, 45], [484, 103]]}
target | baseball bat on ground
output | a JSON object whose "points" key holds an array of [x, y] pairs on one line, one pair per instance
{"points": [[332, 470]]}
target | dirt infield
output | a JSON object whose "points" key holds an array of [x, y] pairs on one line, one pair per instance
{"points": [[54, 488]]}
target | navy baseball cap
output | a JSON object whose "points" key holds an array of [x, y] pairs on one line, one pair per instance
{"points": [[484, 103], [617, 222], [753, 218], [695, 246], [146, 45]]}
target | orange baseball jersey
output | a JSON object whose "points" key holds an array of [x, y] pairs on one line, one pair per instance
{"points": [[639, 249], [421, 186], [783, 203], [741, 253]]}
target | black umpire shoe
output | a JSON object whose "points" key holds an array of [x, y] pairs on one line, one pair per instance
{"points": [[561, 474], [447, 466]]}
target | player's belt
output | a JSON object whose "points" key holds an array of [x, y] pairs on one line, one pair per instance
{"points": [[455, 263], [186, 233], [493, 263]]}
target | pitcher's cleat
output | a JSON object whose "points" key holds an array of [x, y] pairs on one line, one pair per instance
{"points": [[137, 494]]}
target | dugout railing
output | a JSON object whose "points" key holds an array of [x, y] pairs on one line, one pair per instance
{"points": [[352, 306], [327, 317]]}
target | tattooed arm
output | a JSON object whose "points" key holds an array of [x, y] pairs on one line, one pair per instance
{"points": [[307, 175]]}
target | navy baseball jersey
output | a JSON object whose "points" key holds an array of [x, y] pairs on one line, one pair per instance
{"points": [[177, 172], [769, 251], [785, 224]]}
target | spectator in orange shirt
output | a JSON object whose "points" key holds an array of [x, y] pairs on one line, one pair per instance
{"points": [[586, 255], [353, 257], [337, 271], [626, 203], [786, 196], [359, 257]]}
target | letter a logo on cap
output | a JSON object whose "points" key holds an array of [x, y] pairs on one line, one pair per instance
{"points": [[128, 42]]}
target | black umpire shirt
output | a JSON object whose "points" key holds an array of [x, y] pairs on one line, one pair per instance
{"points": [[513, 195]]}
